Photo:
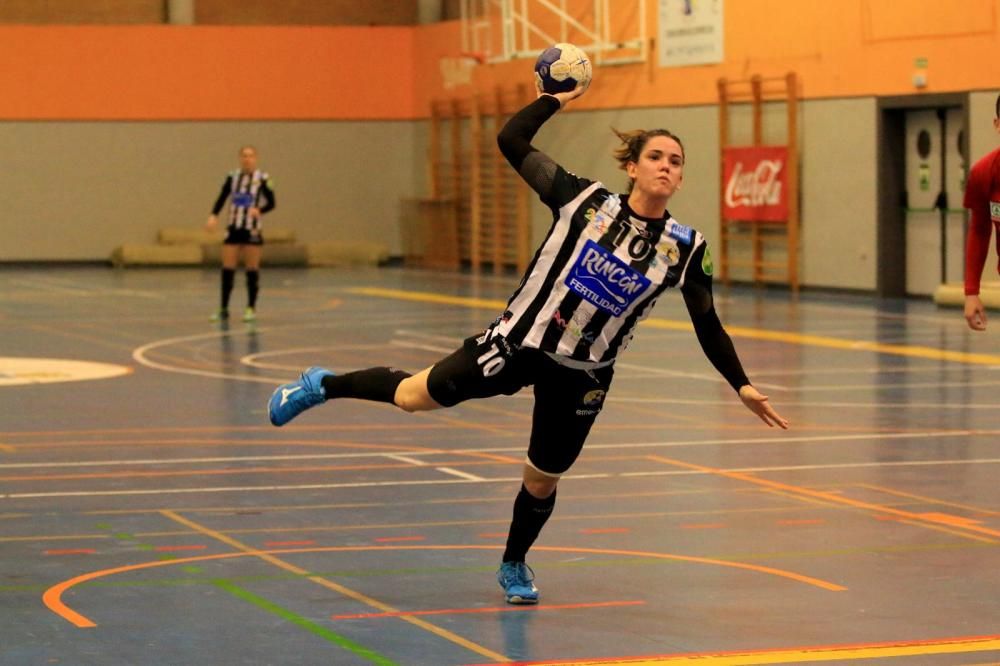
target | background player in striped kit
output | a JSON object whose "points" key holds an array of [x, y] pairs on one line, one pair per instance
{"points": [[982, 198], [604, 262], [245, 189]]}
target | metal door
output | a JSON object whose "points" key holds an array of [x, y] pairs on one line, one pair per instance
{"points": [[935, 172]]}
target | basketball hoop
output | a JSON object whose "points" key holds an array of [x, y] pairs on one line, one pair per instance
{"points": [[457, 70]]}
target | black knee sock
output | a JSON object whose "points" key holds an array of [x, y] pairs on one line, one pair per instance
{"points": [[372, 384], [227, 286], [253, 282], [530, 514]]}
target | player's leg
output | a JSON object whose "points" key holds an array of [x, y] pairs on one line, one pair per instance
{"points": [[566, 404], [451, 380], [230, 258], [251, 263]]}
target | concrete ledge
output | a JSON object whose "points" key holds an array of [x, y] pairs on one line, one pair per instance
{"points": [[953, 294], [135, 254], [346, 253]]}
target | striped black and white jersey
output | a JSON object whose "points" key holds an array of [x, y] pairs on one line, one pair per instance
{"points": [[245, 190], [601, 267], [598, 273]]}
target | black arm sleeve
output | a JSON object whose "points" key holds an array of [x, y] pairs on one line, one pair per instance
{"points": [[227, 187], [714, 340], [265, 189], [535, 167]]}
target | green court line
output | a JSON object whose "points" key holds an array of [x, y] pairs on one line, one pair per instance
{"points": [[312, 627], [803, 339]]}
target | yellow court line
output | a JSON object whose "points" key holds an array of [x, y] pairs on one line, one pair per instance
{"points": [[336, 587], [801, 655], [921, 519], [7, 448], [802, 339]]}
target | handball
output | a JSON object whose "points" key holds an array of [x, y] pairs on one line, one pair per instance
{"points": [[561, 67]]}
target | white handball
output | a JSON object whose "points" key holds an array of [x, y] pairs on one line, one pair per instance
{"points": [[561, 67]]}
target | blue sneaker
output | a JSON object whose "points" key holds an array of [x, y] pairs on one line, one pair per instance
{"points": [[516, 580], [290, 400]]}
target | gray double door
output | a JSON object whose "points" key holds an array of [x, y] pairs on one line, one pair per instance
{"points": [[935, 167]]}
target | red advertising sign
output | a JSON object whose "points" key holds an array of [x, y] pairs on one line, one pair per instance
{"points": [[755, 183]]}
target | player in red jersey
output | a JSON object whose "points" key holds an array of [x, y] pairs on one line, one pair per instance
{"points": [[982, 198]]}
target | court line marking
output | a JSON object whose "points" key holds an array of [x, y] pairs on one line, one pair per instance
{"points": [[929, 500], [463, 475], [52, 598], [308, 625], [801, 339], [404, 459], [336, 587], [275, 470], [494, 609], [485, 451], [426, 482], [957, 645], [934, 519]]}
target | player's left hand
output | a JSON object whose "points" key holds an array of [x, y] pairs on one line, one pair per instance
{"points": [[757, 403]]}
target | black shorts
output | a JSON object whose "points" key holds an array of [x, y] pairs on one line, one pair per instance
{"points": [[567, 400], [241, 236]]}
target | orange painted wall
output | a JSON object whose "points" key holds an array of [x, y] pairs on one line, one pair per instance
{"points": [[201, 73], [839, 48], [844, 48]]}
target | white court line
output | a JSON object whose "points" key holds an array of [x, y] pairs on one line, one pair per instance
{"points": [[139, 356], [763, 440], [405, 459], [879, 387], [194, 461], [411, 456], [429, 482], [252, 360], [866, 370], [787, 468], [462, 475], [789, 401]]}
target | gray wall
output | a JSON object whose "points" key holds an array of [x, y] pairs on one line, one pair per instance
{"points": [[839, 194], [76, 190]]}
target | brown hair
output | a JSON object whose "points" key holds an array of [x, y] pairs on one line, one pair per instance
{"points": [[634, 141], [998, 107]]}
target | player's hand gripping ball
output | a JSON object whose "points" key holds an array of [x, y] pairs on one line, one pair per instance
{"points": [[561, 67]]}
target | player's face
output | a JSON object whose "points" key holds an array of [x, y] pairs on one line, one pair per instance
{"points": [[996, 124], [660, 168], [248, 159]]}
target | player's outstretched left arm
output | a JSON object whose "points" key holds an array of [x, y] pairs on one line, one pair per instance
{"points": [[715, 341]]}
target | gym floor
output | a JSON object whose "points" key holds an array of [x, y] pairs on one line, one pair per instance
{"points": [[150, 514]]}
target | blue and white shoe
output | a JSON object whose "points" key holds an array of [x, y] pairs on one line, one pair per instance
{"points": [[290, 400], [516, 579]]}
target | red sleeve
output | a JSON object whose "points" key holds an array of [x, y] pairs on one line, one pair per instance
{"points": [[977, 200]]}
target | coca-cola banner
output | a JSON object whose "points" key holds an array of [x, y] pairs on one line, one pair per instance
{"points": [[756, 183]]}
